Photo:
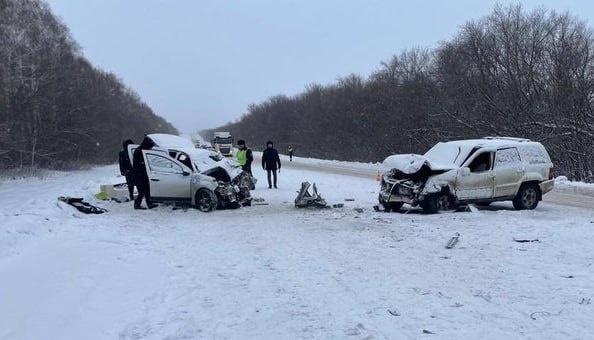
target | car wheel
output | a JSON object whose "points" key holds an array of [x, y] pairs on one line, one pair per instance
{"points": [[206, 200], [436, 202], [527, 197]]}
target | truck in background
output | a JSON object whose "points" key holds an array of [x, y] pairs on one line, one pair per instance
{"points": [[223, 143]]}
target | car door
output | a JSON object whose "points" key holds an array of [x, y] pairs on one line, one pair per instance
{"points": [[168, 179], [475, 179], [509, 172]]}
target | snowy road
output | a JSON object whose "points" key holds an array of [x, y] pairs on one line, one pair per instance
{"points": [[276, 272]]}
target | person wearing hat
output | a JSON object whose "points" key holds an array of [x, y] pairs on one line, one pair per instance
{"points": [[141, 179], [271, 162], [244, 157], [126, 167]]}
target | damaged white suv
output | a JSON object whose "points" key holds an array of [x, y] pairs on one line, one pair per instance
{"points": [[477, 171]]}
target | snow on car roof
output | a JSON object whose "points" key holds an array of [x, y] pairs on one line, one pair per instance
{"points": [[448, 155], [494, 142], [172, 141]]}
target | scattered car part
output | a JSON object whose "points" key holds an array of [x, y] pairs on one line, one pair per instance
{"points": [[306, 199]]}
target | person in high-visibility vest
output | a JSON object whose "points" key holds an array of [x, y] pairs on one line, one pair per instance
{"points": [[290, 151], [244, 156]]}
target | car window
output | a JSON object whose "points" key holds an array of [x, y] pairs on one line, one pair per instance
{"points": [[161, 164], [507, 157], [482, 162], [535, 154], [185, 159]]}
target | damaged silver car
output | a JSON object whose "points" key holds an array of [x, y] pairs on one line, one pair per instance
{"points": [[178, 172], [477, 171]]}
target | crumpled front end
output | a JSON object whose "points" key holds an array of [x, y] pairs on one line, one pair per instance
{"points": [[232, 192], [398, 187]]}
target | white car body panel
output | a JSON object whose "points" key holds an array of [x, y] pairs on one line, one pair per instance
{"points": [[168, 178]]}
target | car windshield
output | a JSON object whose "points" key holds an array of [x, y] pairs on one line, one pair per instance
{"points": [[224, 140], [445, 153]]}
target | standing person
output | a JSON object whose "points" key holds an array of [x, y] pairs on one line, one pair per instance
{"points": [[244, 157], [141, 179], [126, 167], [270, 163], [290, 151]]}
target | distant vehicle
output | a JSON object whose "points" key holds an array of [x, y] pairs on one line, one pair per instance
{"points": [[206, 146], [179, 172], [477, 171], [223, 143]]}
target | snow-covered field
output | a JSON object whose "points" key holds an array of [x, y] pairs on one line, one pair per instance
{"points": [[276, 272]]}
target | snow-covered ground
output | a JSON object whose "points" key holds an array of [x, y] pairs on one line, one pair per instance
{"points": [[276, 272]]}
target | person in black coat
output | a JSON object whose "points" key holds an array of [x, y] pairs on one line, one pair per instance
{"points": [[141, 179], [126, 167], [271, 162]]}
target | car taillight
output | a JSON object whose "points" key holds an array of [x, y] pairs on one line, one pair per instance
{"points": [[551, 172]]}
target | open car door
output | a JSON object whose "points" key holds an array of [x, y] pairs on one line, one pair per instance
{"points": [[169, 179]]}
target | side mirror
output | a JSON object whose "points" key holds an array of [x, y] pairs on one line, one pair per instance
{"points": [[465, 171], [186, 173]]}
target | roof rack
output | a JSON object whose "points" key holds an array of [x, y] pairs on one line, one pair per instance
{"points": [[514, 139]]}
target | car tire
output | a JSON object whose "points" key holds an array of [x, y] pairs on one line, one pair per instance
{"points": [[438, 202], [206, 200], [527, 197]]}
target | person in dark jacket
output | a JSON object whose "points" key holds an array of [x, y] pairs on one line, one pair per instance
{"points": [[270, 163], [141, 179], [126, 167]]}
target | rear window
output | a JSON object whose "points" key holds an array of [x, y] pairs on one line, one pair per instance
{"points": [[534, 154]]}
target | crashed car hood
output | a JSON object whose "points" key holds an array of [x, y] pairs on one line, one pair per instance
{"points": [[411, 163], [207, 160]]}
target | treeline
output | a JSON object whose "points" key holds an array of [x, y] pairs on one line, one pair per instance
{"points": [[511, 73], [56, 109]]}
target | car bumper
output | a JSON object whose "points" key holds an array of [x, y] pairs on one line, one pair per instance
{"points": [[546, 186]]}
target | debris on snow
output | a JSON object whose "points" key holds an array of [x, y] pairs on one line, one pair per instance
{"points": [[306, 199], [394, 313], [452, 242], [524, 241]]}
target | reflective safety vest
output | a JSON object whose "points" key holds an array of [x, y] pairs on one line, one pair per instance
{"points": [[290, 149], [242, 157]]}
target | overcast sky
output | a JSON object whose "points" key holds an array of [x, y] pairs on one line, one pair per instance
{"points": [[199, 64]]}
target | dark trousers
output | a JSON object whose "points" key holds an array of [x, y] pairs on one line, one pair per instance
{"points": [[130, 184], [247, 168], [290, 156], [144, 191], [273, 172]]}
